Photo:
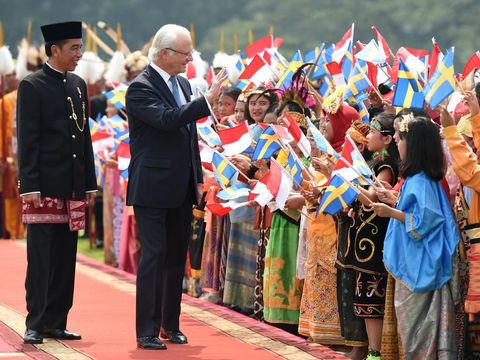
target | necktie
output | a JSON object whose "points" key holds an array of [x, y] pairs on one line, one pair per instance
{"points": [[175, 91], [176, 94]]}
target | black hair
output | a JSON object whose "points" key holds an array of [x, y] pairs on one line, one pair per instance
{"points": [[270, 94], [424, 149], [477, 91], [49, 44], [386, 119], [232, 92]]}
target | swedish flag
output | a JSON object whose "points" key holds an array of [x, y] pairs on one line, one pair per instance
{"points": [[442, 82], [223, 171], [286, 78], [358, 81], [117, 98], [338, 195], [268, 143], [295, 169], [408, 90]]}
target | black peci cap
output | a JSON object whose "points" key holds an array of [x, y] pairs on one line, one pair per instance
{"points": [[62, 31]]}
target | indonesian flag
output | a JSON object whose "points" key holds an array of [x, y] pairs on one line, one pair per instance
{"points": [[257, 71], [297, 134], [435, 58], [206, 152], [279, 183], [205, 121], [221, 209], [259, 45], [381, 41], [335, 70], [123, 152], [101, 141], [411, 60], [235, 140], [260, 193], [354, 157], [472, 64], [343, 45]]}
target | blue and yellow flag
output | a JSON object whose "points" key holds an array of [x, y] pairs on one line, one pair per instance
{"points": [[337, 196], [268, 143], [408, 92], [295, 169], [117, 98], [286, 78], [442, 82], [357, 82], [223, 170]]}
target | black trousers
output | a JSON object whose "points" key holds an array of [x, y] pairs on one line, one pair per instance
{"points": [[164, 236], [51, 256]]}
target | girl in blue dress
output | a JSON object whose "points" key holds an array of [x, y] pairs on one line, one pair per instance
{"points": [[419, 244]]}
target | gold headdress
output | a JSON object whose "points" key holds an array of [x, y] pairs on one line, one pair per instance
{"points": [[405, 121], [332, 102], [358, 131]]}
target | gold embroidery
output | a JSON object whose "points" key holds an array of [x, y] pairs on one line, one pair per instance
{"points": [[362, 247], [411, 231]]}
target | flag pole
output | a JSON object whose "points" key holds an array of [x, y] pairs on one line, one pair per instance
{"points": [[230, 163], [315, 64]]}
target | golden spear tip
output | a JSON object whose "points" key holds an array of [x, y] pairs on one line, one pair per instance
{"points": [[222, 41], [1, 35], [235, 42], [250, 35], [94, 42], [29, 33], [119, 37], [192, 34]]}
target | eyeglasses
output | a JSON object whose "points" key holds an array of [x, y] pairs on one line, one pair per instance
{"points": [[186, 54]]}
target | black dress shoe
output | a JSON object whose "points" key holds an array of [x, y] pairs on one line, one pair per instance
{"points": [[61, 334], [174, 336], [32, 337], [150, 343]]}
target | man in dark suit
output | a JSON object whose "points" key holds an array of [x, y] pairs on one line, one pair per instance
{"points": [[57, 176], [164, 172]]}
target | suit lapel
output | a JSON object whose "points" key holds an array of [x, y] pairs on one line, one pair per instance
{"points": [[159, 84]]}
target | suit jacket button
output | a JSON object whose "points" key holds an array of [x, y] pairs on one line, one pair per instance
{"points": [[74, 156], [73, 136]]}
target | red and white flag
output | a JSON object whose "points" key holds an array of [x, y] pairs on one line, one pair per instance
{"points": [[221, 209], [472, 64], [383, 43], [260, 193], [259, 45], [335, 70], [257, 71], [235, 140], [279, 183], [435, 58], [343, 45], [206, 152], [297, 134], [205, 121]]}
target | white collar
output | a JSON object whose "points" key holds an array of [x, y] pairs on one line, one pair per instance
{"points": [[165, 76]]}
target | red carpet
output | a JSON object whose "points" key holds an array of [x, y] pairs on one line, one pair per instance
{"points": [[104, 313]]}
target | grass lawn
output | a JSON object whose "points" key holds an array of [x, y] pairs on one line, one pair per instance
{"points": [[84, 248]]}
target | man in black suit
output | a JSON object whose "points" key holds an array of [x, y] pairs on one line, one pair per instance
{"points": [[57, 176], [164, 172]]}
